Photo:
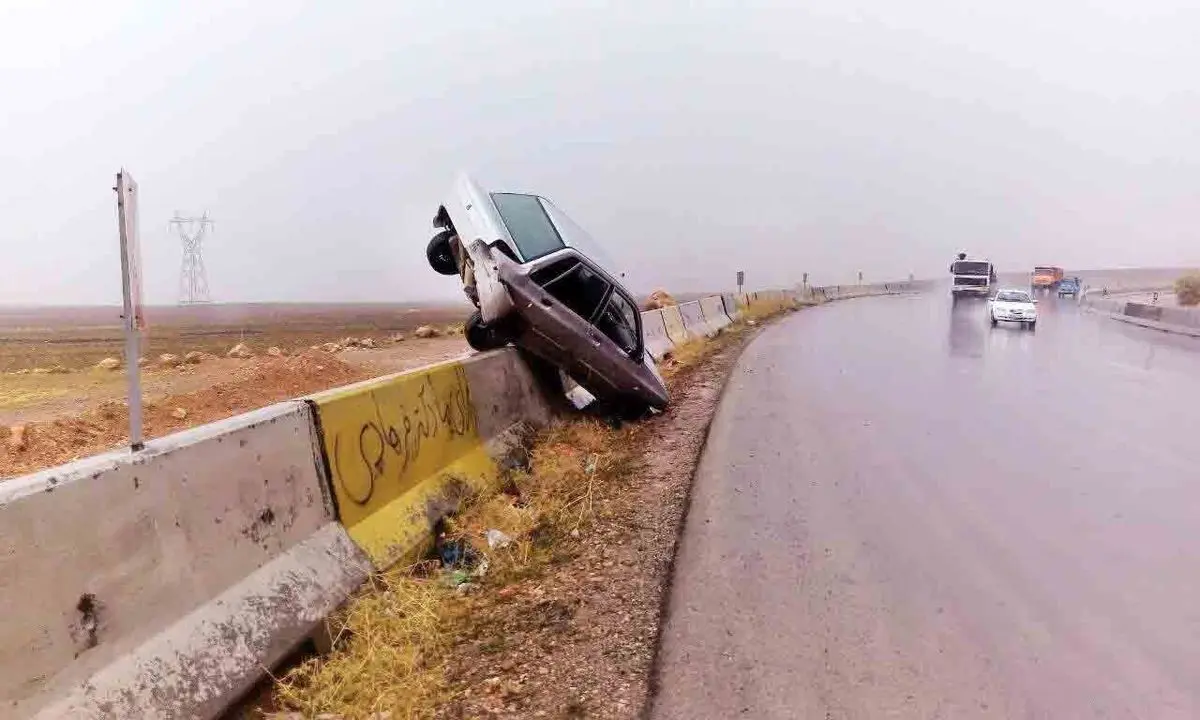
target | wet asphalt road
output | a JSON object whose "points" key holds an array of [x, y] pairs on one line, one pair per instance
{"points": [[903, 513]]}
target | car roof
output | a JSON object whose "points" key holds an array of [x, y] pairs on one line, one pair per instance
{"points": [[1023, 291]]}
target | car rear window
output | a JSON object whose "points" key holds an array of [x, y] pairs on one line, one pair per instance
{"points": [[528, 224]]}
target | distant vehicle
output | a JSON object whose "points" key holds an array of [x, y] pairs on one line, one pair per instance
{"points": [[1046, 278], [539, 282], [1069, 287], [971, 277], [1013, 306]]}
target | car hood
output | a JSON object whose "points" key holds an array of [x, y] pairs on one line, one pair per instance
{"points": [[1009, 306]]}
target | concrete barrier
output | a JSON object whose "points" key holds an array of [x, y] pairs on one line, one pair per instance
{"points": [[1183, 317], [693, 320], [1144, 312], [714, 314], [730, 304], [404, 450], [1176, 320], [673, 319], [161, 584], [654, 334]]}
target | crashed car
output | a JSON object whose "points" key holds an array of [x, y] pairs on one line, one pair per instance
{"points": [[538, 281]]}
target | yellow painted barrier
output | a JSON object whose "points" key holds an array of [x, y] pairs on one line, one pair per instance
{"points": [[401, 451]]}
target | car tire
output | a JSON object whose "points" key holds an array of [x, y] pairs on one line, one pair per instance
{"points": [[438, 252], [994, 322], [483, 336], [1032, 326]]}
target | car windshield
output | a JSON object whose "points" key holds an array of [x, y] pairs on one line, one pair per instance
{"points": [[1012, 296], [528, 224], [970, 267]]}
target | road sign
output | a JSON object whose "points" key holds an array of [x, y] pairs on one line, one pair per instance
{"points": [[741, 279], [133, 318]]}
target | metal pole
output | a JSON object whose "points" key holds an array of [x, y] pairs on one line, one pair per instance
{"points": [[126, 220]]}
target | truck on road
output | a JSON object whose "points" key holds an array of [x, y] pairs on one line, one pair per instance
{"points": [[971, 278], [1069, 286], [1046, 278]]}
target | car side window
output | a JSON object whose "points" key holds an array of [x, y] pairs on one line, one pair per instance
{"points": [[619, 322], [579, 288]]}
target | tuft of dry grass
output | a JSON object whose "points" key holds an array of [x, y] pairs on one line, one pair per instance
{"points": [[389, 647], [1187, 290]]}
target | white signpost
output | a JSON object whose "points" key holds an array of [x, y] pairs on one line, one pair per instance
{"points": [[131, 287]]}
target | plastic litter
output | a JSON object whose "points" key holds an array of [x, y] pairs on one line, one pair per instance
{"points": [[497, 539]]}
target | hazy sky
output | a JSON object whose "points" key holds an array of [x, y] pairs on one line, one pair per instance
{"points": [[693, 140]]}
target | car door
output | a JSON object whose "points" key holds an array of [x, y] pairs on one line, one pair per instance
{"points": [[583, 323]]}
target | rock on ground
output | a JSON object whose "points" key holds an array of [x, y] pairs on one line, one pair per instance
{"points": [[195, 357], [168, 359], [179, 413], [275, 352], [16, 438], [426, 331], [239, 351], [108, 363]]}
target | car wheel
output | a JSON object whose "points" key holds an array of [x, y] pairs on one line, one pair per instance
{"points": [[441, 259], [1032, 326], [993, 321], [483, 336]]}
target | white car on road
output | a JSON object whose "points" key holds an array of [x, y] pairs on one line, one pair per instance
{"points": [[1013, 306]]}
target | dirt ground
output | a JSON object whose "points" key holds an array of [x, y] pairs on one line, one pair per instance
{"points": [[580, 640], [78, 338], [56, 406], [66, 417]]}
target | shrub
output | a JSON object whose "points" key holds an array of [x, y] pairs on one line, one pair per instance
{"points": [[1187, 290]]}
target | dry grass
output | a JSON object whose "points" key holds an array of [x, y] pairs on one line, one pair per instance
{"points": [[392, 642], [390, 645], [1187, 290]]}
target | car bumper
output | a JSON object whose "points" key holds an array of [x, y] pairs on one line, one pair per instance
{"points": [[494, 299], [1014, 318]]}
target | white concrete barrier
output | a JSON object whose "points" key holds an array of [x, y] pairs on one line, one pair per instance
{"points": [[160, 585], [654, 334], [714, 313], [730, 304], [693, 320]]}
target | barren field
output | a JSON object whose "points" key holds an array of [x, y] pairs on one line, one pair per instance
{"points": [[56, 405], [78, 338]]}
